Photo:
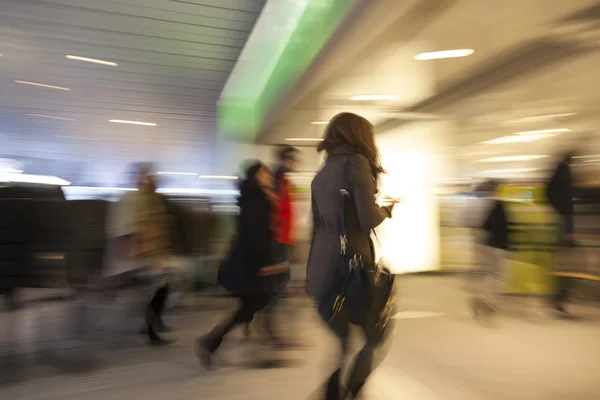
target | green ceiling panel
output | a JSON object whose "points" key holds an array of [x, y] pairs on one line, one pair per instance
{"points": [[288, 36]]}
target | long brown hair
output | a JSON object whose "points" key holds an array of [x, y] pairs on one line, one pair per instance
{"points": [[355, 133]]}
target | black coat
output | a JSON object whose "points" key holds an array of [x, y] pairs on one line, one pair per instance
{"points": [[560, 189], [252, 247], [496, 225]]}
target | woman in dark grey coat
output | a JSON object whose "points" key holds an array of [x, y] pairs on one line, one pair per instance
{"points": [[352, 158]]}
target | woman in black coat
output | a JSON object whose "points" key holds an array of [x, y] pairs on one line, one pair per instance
{"points": [[352, 163], [249, 272]]}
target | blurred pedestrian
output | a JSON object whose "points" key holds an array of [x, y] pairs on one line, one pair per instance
{"points": [[353, 160], [491, 250], [249, 272], [139, 244], [559, 192]]}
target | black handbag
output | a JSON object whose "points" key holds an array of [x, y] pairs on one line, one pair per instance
{"points": [[357, 291]]}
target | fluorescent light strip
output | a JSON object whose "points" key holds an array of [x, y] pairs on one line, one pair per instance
{"points": [[177, 173], [304, 139], [372, 97], [520, 139], [77, 138], [10, 171], [512, 158], [51, 117], [120, 121], [542, 131], [319, 122], [35, 179], [222, 177], [543, 117], [43, 85], [91, 60], [438, 55]]}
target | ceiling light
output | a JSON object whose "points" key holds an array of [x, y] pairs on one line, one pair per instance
{"points": [[304, 139], [51, 117], [512, 158], [92, 60], [370, 97], [542, 117], [319, 122], [77, 138], [43, 85], [223, 177], [437, 55], [120, 121], [520, 139], [542, 131], [177, 173]]}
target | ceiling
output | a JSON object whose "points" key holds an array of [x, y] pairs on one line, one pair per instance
{"points": [[531, 58], [173, 56]]}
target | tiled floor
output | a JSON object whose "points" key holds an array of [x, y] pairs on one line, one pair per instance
{"points": [[438, 353]]}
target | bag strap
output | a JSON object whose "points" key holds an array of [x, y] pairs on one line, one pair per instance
{"points": [[344, 197]]}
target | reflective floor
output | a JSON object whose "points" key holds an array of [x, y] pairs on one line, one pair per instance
{"points": [[438, 353]]}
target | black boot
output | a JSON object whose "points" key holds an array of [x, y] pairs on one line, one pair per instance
{"points": [[155, 339], [334, 388], [204, 352]]}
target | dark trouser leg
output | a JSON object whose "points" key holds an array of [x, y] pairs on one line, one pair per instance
{"points": [[562, 292], [333, 389], [368, 359], [562, 289], [250, 304], [154, 312]]}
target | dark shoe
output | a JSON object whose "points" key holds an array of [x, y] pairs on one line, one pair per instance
{"points": [[203, 353], [480, 309], [244, 329], [165, 329], [560, 310], [157, 341]]}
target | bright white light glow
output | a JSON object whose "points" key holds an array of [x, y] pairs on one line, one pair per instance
{"points": [[512, 158], [221, 177], [520, 139], [88, 192], [92, 60], [561, 130], [189, 192], [177, 173], [51, 117], [121, 121], [304, 139], [373, 97], [10, 171], [438, 55], [43, 85], [319, 122], [35, 179]]}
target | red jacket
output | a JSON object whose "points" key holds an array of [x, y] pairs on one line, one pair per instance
{"points": [[284, 217]]}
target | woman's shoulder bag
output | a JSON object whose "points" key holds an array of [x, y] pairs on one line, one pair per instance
{"points": [[357, 291]]}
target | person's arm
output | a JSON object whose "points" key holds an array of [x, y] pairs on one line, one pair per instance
{"points": [[363, 190], [315, 218], [255, 220]]}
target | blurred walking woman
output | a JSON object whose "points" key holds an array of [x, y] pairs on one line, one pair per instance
{"points": [[249, 271], [353, 163]]}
